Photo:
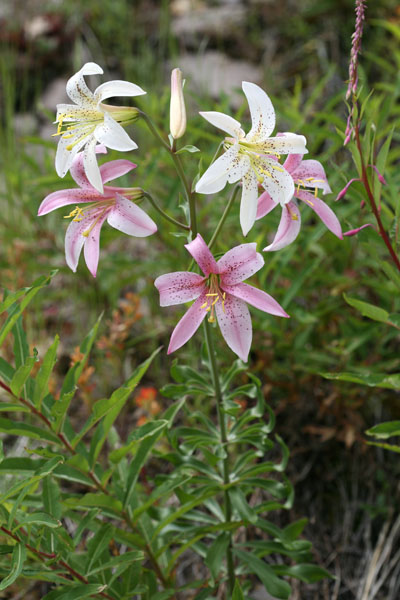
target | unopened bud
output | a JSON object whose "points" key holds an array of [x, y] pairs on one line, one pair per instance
{"points": [[343, 192], [356, 231], [177, 114], [125, 115]]}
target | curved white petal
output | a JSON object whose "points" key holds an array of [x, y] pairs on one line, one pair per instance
{"points": [[77, 89], [130, 218], [224, 122], [277, 181], [235, 323], [241, 164], [261, 110], [65, 157], [77, 169], [112, 135], [216, 176], [91, 167], [249, 201], [110, 89]]}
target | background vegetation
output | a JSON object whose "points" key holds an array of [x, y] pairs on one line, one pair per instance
{"points": [[298, 51]]}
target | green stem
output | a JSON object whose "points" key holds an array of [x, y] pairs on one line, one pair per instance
{"points": [[164, 214], [179, 169], [224, 442], [223, 218]]}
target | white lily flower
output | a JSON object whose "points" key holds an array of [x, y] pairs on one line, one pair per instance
{"points": [[252, 157], [88, 122]]}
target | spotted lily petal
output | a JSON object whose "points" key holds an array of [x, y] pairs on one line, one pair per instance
{"points": [[216, 176], [265, 204], [64, 156], [179, 287], [116, 168], [202, 255], [189, 324], [111, 89], [77, 89], [77, 169], [325, 213], [256, 298], [224, 122], [277, 181], [235, 323], [239, 263], [288, 229], [261, 110], [288, 143], [312, 174], [65, 198], [248, 203], [75, 239], [130, 218], [113, 135], [91, 167]]}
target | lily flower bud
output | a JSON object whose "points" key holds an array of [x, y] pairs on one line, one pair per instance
{"points": [[177, 115]]}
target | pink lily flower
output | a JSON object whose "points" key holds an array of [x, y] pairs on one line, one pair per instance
{"points": [[219, 292], [113, 205], [306, 174]]}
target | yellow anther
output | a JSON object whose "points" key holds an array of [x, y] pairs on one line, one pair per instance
{"points": [[224, 295], [77, 212], [204, 305], [310, 179], [214, 302], [292, 214], [316, 192], [208, 309], [310, 203], [86, 233], [211, 319], [211, 294], [277, 168]]}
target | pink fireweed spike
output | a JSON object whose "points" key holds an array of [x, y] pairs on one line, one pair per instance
{"points": [[219, 294], [114, 205], [306, 175]]}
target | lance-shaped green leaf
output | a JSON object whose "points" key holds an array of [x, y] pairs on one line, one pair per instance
{"points": [[385, 430], [111, 407], [305, 572], [75, 591], [44, 470], [391, 382], [272, 583], [98, 544], [240, 503], [237, 591], [16, 428], [16, 310], [43, 376], [38, 518], [161, 491], [118, 399], [368, 310], [17, 562], [216, 554], [22, 373]]}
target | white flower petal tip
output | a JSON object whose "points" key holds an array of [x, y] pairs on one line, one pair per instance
{"points": [[91, 68]]}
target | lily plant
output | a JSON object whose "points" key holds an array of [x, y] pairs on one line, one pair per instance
{"points": [[219, 294], [250, 158], [306, 175], [88, 122], [114, 205]]}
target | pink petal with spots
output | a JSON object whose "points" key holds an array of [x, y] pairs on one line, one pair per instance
{"points": [[235, 323], [265, 205], [116, 168], [202, 255], [77, 168], [74, 239], [130, 219], [256, 298], [91, 248], [189, 324], [292, 162], [239, 263], [314, 169], [325, 213], [178, 287], [66, 197], [289, 227]]}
